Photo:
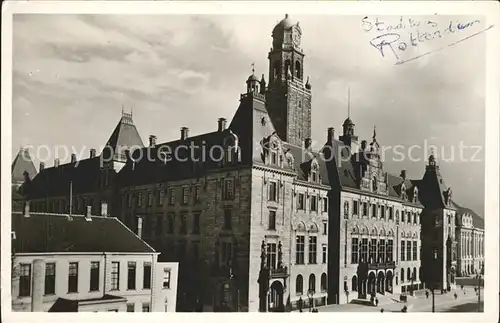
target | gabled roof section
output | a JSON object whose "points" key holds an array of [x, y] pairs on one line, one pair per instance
{"points": [[477, 220], [124, 137], [396, 184], [47, 233], [22, 163], [433, 189]]}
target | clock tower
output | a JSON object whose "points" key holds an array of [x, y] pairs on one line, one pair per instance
{"points": [[288, 97]]}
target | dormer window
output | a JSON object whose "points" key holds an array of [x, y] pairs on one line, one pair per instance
{"points": [[314, 173], [415, 195]]}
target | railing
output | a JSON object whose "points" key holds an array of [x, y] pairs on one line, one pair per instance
{"points": [[259, 96], [278, 272]]}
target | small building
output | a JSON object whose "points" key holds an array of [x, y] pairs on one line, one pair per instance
{"points": [[84, 263]]}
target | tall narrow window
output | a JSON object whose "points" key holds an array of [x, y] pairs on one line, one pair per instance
{"points": [[325, 204], [146, 282], [139, 199], [365, 209], [314, 203], [197, 196], [364, 249], [271, 255], [403, 250], [313, 249], [300, 250], [73, 277], [115, 275], [228, 225], [389, 251], [381, 251], [161, 197], [272, 220], [325, 227], [94, 276], [183, 228], [354, 250], [166, 278], [299, 285], [226, 254], [312, 282], [273, 191], [131, 275], [414, 249], [373, 250], [382, 211], [374, 210], [171, 197], [300, 201], [391, 212], [196, 223], [324, 254], [150, 198], [408, 250], [355, 208], [228, 189], [50, 278], [185, 195], [24, 280]]}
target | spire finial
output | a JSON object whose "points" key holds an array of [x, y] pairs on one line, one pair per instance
{"points": [[374, 132], [253, 68], [349, 102]]}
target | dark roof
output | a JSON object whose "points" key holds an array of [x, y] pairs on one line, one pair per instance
{"points": [[70, 305], [22, 163], [477, 220], [55, 181], [56, 233], [124, 137]]}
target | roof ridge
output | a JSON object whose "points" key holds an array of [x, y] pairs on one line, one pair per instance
{"points": [[123, 225]]}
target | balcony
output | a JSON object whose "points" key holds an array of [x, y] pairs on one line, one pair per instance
{"points": [[383, 265], [278, 272]]}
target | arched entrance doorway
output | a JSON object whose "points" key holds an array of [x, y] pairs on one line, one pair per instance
{"points": [[388, 282], [371, 283], [380, 282], [276, 303]]}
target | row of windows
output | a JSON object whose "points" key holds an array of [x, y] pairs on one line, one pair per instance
{"points": [[410, 275], [299, 284], [73, 277], [315, 202], [371, 250], [300, 244], [380, 211], [410, 253], [155, 225]]}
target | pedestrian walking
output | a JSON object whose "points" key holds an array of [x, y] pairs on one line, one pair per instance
{"points": [[404, 309], [455, 295], [376, 301], [427, 294], [382, 310]]}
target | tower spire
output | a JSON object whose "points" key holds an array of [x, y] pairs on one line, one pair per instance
{"points": [[349, 102], [374, 132], [253, 68]]}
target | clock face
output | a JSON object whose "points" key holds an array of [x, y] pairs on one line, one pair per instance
{"points": [[296, 38]]}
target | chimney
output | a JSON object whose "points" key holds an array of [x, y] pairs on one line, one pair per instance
{"points": [[363, 145], [307, 143], [38, 285], [139, 227], [222, 124], [26, 212], [56, 162], [42, 166], [73, 158], [184, 133], [152, 140], [330, 135], [88, 216], [92, 153], [403, 174]]}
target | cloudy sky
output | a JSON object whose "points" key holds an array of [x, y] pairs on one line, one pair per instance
{"points": [[73, 73]]}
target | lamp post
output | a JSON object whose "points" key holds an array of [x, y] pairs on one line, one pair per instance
{"points": [[310, 294], [433, 284]]}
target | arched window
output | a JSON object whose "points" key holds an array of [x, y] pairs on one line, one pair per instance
{"points": [[323, 282], [408, 274], [354, 283], [402, 274], [403, 216], [312, 282], [414, 273], [299, 285], [298, 71]]}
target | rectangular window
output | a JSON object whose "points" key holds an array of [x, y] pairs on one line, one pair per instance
{"points": [[273, 191], [373, 250], [403, 250], [355, 208], [300, 249], [228, 189], [166, 278], [314, 203], [415, 218], [365, 209], [382, 211], [94, 276], [131, 275], [272, 220], [391, 213], [171, 197], [364, 249], [196, 223], [325, 204], [150, 198], [408, 251], [73, 277], [381, 251], [374, 210], [185, 195], [115, 275], [274, 157], [146, 307], [300, 201], [161, 197], [325, 228], [50, 278], [226, 254], [324, 254], [130, 307], [415, 250], [271, 255], [146, 281], [389, 251], [24, 280], [139, 199], [183, 228], [354, 250], [228, 225], [313, 249], [197, 196]]}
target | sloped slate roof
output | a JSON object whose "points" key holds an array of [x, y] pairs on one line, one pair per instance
{"points": [[56, 233], [477, 220], [22, 163], [125, 136]]}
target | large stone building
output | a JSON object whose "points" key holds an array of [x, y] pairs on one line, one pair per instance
{"points": [[84, 263], [258, 220]]}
